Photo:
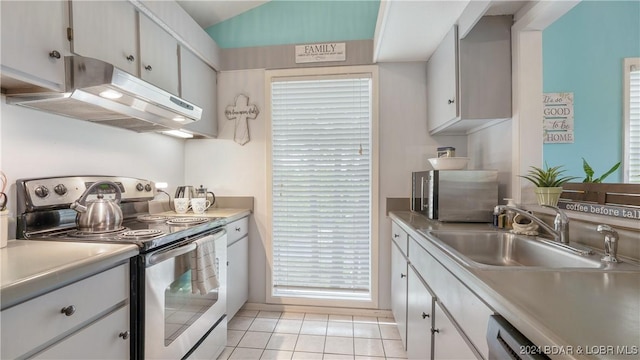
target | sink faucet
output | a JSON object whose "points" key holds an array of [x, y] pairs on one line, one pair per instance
{"points": [[610, 242], [560, 231]]}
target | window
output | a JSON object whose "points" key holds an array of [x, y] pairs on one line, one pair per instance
{"points": [[632, 120], [323, 187]]}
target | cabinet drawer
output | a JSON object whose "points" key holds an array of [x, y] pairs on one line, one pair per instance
{"points": [[40, 320], [400, 237], [471, 314], [237, 230], [107, 338]]}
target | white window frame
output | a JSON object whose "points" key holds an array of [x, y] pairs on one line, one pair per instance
{"points": [[372, 71], [628, 64]]}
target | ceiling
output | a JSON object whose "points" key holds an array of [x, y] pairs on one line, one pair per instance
{"points": [[405, 30], [210, 12]]}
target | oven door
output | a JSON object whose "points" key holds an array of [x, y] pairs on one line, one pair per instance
{"points": [[176, 318]]}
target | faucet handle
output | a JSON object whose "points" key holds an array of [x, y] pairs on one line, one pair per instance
{"points": [[610, 242]]}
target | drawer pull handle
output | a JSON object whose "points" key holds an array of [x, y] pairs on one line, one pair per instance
{"points": [[55, 54], [124, 335], [396, 236], [148, 68], [402, 275], [130, 58], [433, 331], [425, 315], [238, 229], [451, 101], [68, 310]]}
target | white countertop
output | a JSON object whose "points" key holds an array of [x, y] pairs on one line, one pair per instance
{"points": [[29, 268], [557, 308], [228, 213]]}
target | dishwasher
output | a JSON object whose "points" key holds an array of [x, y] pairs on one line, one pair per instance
{"points": [[506, 342]]}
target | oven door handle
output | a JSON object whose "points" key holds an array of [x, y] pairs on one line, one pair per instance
{"points": [[170, 253]]}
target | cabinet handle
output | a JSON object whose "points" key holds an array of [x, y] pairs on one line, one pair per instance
{"points": [[451, 101], [425, 315], [131, 58], [54, 54], [433, 331], [148, 68], [396, 236], [402, 275], [68, 310], [124, 335], [238, 229]]}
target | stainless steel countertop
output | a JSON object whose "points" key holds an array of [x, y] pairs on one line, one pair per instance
{"points": [[575, 313]]}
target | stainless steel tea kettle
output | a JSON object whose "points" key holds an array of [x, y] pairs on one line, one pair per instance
{"points": [[99, 215]]}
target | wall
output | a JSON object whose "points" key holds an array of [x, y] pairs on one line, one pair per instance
{"points": [[230, 169], [586, 59], [37, 144], [490, 148]]}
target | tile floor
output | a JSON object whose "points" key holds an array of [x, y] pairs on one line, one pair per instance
{"points": [[306, 336]]}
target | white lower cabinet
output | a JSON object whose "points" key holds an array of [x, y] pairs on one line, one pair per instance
{"points": [[81, 320], [237, 265], [420, 304], [442, 318], [399, 290], [448, 343]]}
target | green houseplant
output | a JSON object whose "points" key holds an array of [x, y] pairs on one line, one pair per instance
{"points": [[588, 171], [548, 182]]}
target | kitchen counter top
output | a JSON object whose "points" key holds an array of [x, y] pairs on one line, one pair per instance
{"points": [[30, 268], [568, 313], [229, 214]]}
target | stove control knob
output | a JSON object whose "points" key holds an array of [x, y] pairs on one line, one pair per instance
{"points": [[42, 191], [148, 187], [139, 187], [60, 189]]}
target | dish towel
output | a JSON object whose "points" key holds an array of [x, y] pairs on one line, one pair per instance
{"points": [[204, 272]]}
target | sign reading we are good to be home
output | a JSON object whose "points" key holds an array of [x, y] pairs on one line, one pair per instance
{"points": [[321, 52], [558, 117]]}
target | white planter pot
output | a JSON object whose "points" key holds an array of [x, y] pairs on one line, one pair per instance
{"points": [[548, 195]]}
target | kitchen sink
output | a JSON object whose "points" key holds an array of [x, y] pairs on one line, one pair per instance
{"points": [[503, 249]]}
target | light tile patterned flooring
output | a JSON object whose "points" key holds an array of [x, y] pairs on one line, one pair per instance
{"points": [[306, 336]]}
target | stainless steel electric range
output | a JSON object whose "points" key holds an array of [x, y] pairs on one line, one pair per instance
{"points": [[169, 319]]}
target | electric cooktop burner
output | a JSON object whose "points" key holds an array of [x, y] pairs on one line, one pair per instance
{"points": [[187, 221], [141, 234], [153, 219], [97, 234]]}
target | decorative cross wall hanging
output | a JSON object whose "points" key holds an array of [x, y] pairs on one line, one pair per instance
{"points": [[241, 111]]}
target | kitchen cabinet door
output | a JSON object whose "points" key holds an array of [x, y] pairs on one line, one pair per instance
{"points": [[447, 341], [34, 42], [442, 82], [158, 56], [198, 84], [420, 308], [238, 275], [106, 30], [469, 79], [399, 291]]}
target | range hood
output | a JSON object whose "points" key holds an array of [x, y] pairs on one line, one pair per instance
{"points": [[99, 92]]}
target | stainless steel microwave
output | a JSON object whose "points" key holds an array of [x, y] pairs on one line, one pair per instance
{"points": [[455, 195]]}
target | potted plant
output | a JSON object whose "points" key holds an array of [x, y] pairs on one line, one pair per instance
{"points": [[548, 182]]}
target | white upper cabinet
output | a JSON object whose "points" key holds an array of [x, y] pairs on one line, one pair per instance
{"points": [[158, 56], [198, 85], [469, 79], [34, 42], [106, 30]]}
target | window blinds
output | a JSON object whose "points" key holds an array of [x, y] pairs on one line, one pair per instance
{"points": [[634, 125], [321, 187]]}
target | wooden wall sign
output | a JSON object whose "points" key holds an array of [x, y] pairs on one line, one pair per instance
{"points": [[311, 53], [558, 117]]}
